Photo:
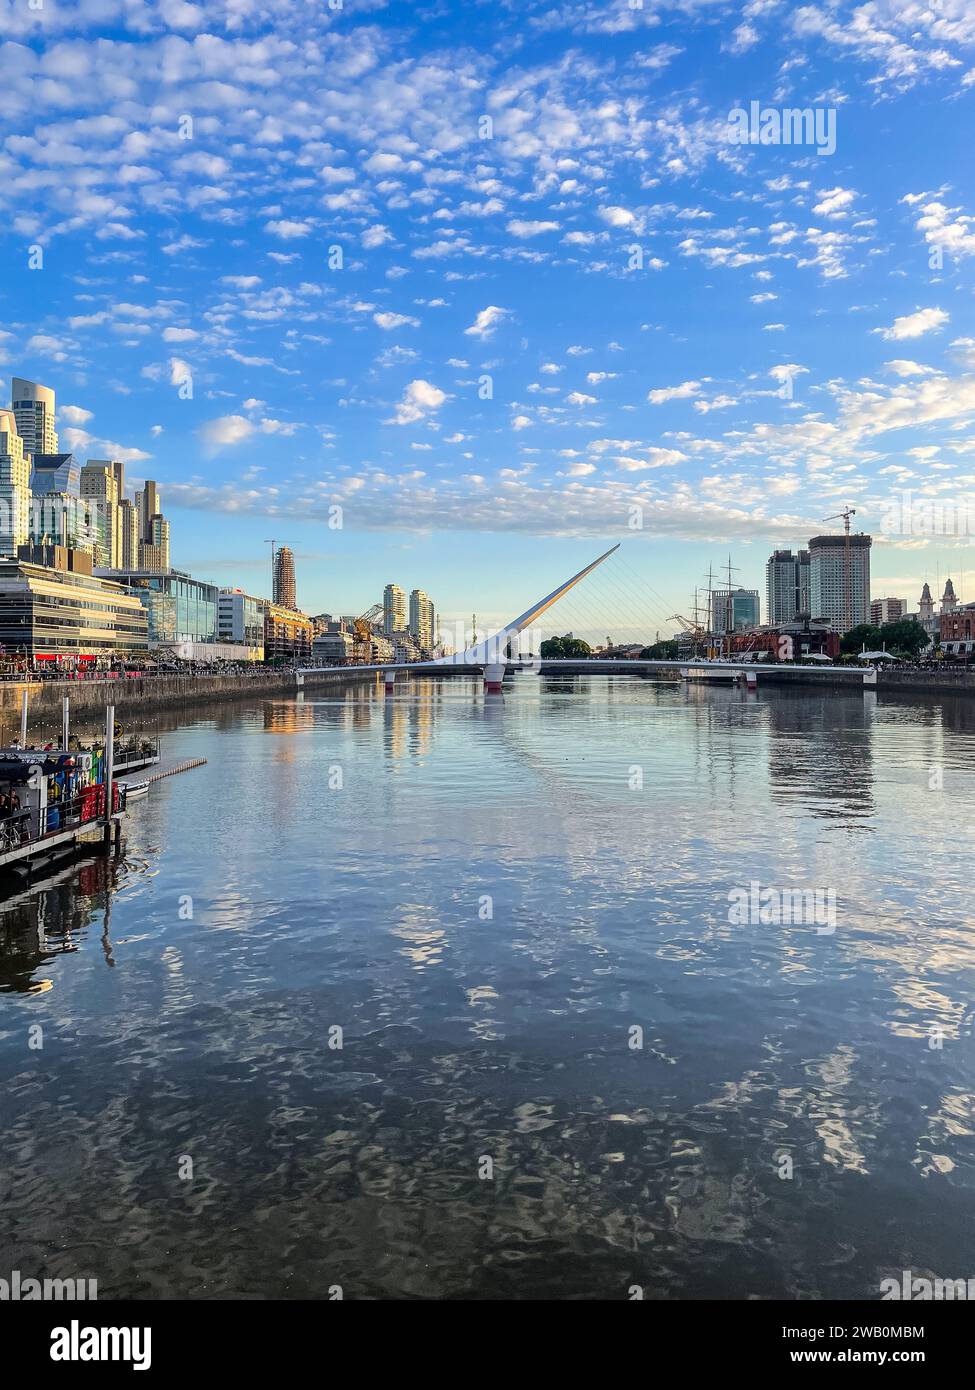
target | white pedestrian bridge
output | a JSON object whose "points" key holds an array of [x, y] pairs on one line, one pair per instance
{"points": [[500, 655]]}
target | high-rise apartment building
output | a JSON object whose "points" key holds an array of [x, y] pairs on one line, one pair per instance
{"points": [[421, 619], [394, 609], [99, 485], [786, 586], [158, 543], [33, 408], [886, 610], [147, 505], [14, 486], [129, 532], [839, 580], [285, 588]]}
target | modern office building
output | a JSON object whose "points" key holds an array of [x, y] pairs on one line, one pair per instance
{"points": [[734, 610], [786, 586], [829, 582], [34, 408], [285, 589], [53, 614], [394, 609], [240, 620], [422, 619], [287, 635], [886, 610], [14, 486], [55, 473], [181, 610], [332, 648], [64, 519]]}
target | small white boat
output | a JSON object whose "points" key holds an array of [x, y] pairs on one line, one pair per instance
{"points": [[134, 789]]}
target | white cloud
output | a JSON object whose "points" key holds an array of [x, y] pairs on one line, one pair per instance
{"points": [[521, 229], [486, 321], [419, 399], [674, 393], [389, 321], [834, 202], [914, 325], [375, 236], [288, 231], [902, 366], [74, 414]]}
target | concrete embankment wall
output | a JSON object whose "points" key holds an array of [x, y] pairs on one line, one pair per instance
{"points": [[135, 696], [927, 682]]}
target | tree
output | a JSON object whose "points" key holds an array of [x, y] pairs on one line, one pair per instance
{"points": [[660, 651], [864, 635], [567, 648], [904, 637]]}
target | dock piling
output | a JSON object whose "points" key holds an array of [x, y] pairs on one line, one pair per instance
{"points": [[109, 771]]}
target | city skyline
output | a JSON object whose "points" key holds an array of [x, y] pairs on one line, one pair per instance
{"points": [[488, 320]]}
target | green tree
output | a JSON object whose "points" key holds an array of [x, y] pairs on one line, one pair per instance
{"points": [[567, 648], [864, 635], [660, 651], [904, 637]]}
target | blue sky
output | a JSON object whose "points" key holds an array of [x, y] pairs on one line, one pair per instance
{"points": [[591, 303]]}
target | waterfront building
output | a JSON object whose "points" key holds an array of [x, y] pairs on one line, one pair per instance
{"points": [[287, 635], [334, 648], [240, 620], [285, 587], [959, 623], [887, 610], [182, 611], [51, 613], [734, 610], [808, 637], [786, 585], [394, 609], [828, 557], [55, 473], [422, 619], [14, 486], [34, 408]]}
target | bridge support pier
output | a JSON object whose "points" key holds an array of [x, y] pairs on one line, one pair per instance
{"points": [[493, 676], [389, 679]]}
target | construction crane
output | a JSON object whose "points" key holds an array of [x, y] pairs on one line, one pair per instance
{"points": [[694, 629], [362, 627], [844, 516]]}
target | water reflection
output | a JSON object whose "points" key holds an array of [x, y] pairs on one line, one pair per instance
{"points": [[490, 899]]}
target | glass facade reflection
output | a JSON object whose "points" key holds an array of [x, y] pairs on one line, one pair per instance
{"points": [[180, 609]]}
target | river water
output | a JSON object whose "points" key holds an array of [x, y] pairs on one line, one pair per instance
{"points": [[444, 995]]}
